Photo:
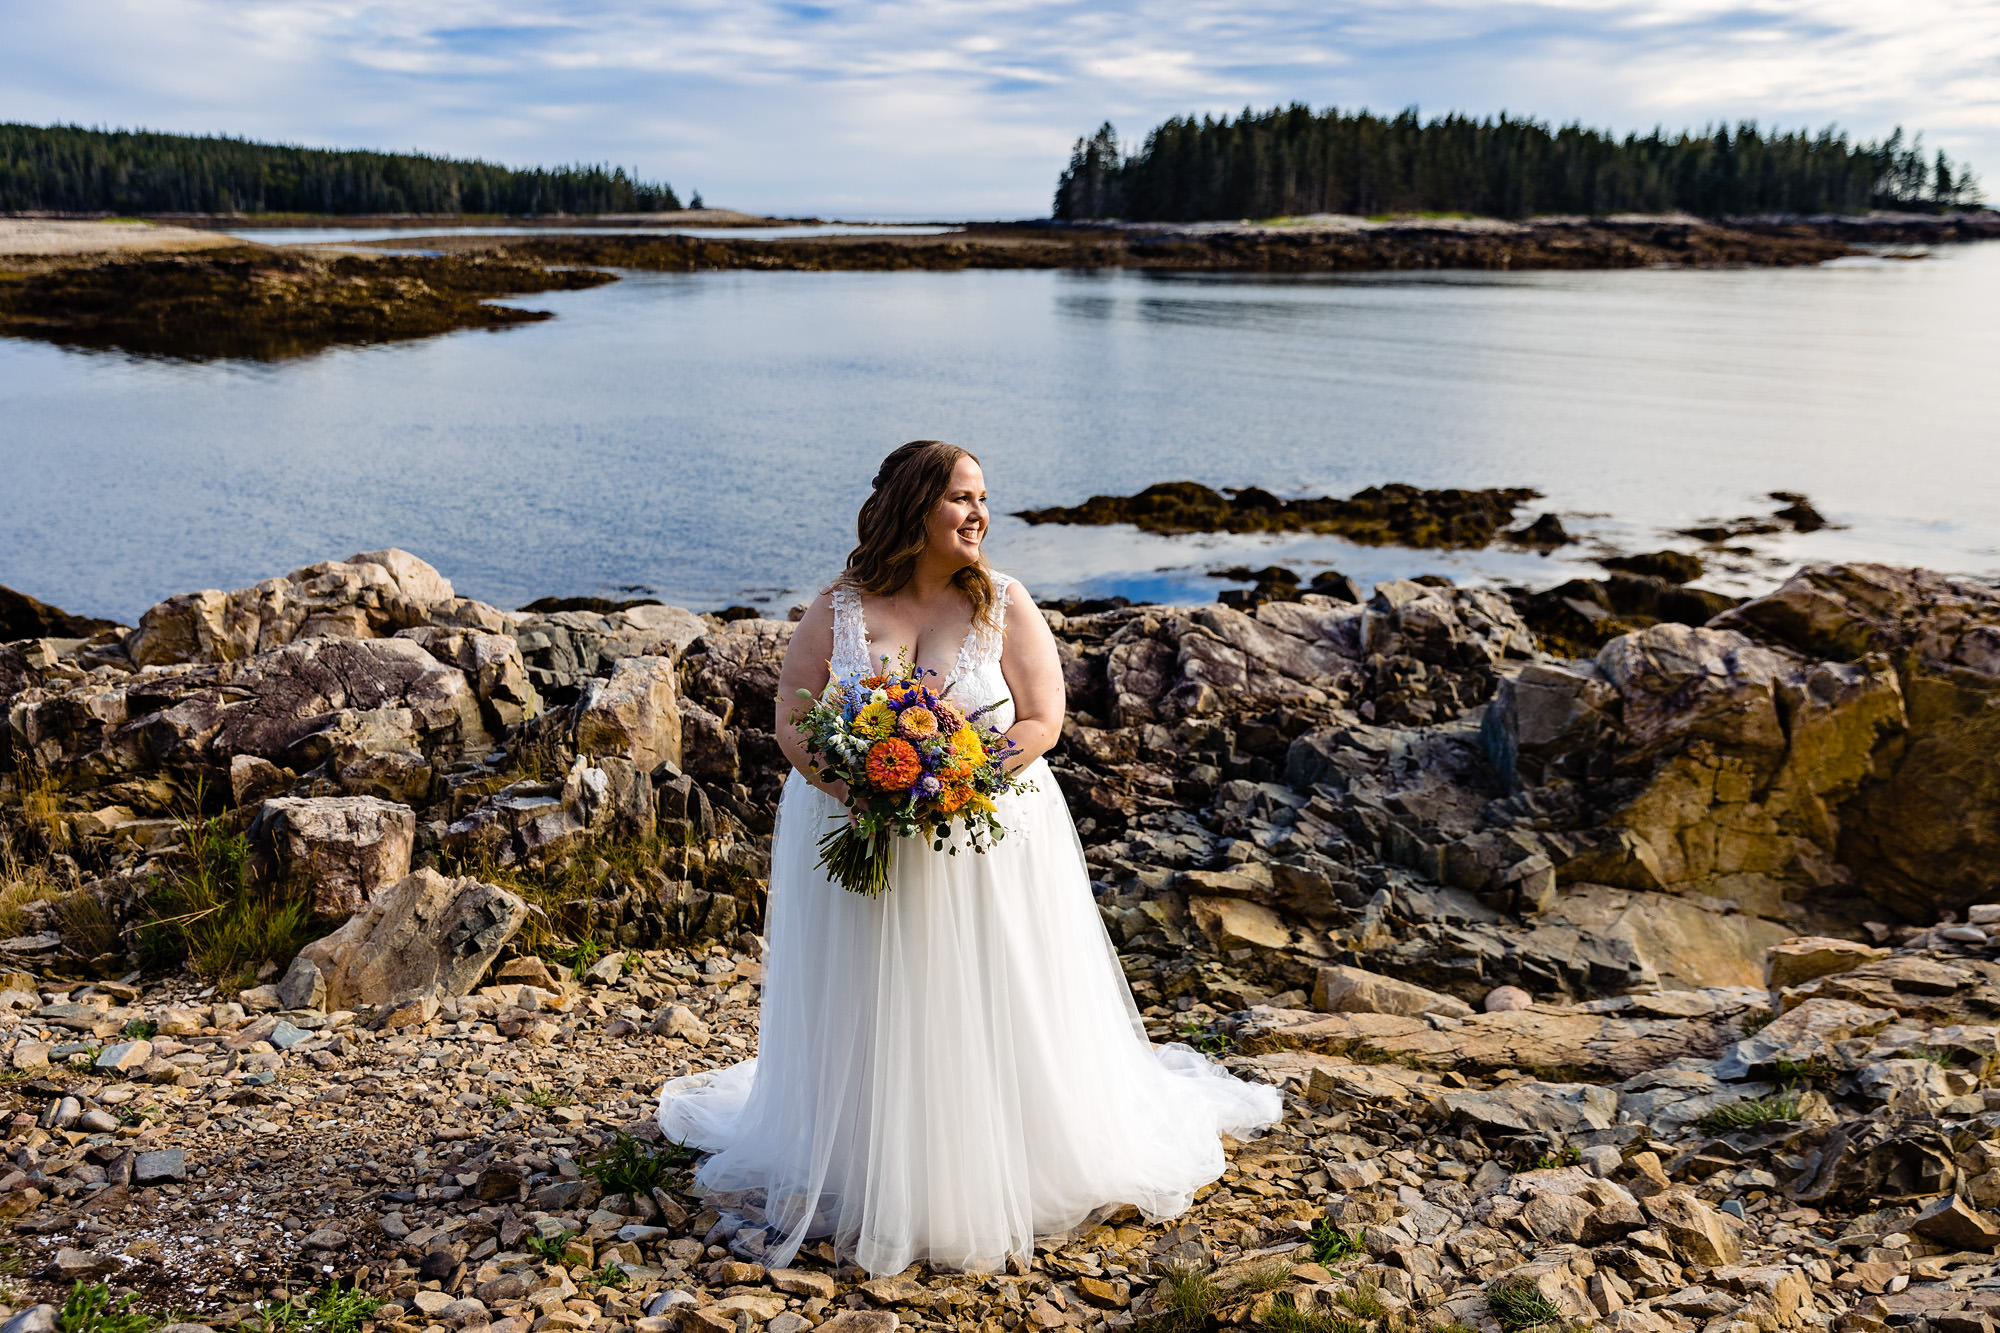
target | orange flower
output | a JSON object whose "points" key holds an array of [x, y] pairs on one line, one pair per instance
{"points": [[893, 764], [954, 796], [916, 723]]}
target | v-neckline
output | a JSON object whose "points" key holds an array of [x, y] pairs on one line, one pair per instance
{"points": [[868, 642]]}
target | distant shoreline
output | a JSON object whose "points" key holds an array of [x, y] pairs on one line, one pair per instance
{"points": [[181, 289]]}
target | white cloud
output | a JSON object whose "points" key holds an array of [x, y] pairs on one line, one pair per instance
{"points": [[967, 108]]}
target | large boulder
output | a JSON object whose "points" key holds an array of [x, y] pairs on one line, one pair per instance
{"points": [[491, 662], [305, 687], [421, 939], [370, 595], [634, 714], [563, 650], [1923, 831], [337, 852], [317, 701]]}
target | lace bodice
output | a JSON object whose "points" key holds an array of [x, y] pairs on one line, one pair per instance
{"points": [[974, 676]]}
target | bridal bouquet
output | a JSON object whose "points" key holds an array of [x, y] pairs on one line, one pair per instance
{"points": [[912, 762]]}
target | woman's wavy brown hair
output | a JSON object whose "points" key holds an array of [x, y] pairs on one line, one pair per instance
{"points": [[890, 528]]}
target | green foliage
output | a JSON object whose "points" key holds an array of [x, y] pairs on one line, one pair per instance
{"points": [[611, 1275], [208, 915], [1808, 1073], [1264, 1277], [1751, 1112], [70, 169], [1567, 1157], [630, 1167], [1290, 161], [1330, 1244], [89, 1309], [1758, 1021], [545, 1098], [141, 1029], [577, 957], [1196, 1033], [1284, 1316], [501, 1101], [1941, 1056], [1517, 1304], [549, 1247], [329, 1310], [1363, 1299], [1185, 1297]]}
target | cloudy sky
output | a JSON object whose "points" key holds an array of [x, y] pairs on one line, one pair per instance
{"points": [[966, 108]]}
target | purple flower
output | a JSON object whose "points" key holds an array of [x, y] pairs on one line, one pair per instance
{"points": [[928, 785]]}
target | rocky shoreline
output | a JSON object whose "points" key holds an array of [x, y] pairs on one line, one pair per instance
{"points": [[265, 304], [179, 292], [1657, 989]]}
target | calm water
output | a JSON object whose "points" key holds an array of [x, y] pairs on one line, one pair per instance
{"points": [[708, 437], [356, 235]]}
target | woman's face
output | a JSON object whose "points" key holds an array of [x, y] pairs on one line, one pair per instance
{"points": [[958, 525]]}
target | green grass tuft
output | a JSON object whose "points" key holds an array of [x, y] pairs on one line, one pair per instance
{"points": [[1518, 1305], [1264, 1277], [1330, 1244], [1284, 1316], [630, 1167], [1364, 1299], [1751, 1112], [1186, 1296], [208, 916]]}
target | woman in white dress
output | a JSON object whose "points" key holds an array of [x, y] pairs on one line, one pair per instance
{"points": [[956, 1066]]}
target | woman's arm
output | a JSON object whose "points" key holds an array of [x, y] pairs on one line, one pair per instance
{"points": [[806, 669], [1034, 678]]}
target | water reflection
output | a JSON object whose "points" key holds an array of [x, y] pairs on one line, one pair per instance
{"points": [[710, 435]]}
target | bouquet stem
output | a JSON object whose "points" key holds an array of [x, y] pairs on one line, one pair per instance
{"points": [[857, 861]]}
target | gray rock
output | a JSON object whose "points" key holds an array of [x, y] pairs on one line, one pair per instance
{"points": [[337, 852], [303, 986], [159, 1167], [1534, 1107], [34, 1319], [424, 936]]}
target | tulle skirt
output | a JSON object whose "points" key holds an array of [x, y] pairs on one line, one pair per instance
{"points": [[955, 1067]]}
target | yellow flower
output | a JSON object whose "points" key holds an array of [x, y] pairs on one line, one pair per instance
{"points": [[965, 743], [982, 804], [876, 721]]}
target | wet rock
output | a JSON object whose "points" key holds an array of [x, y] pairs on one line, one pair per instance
{"points": [[1403, 515], [335, 852], [425, 937]]}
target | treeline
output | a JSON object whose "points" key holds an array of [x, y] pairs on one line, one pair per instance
{"points": [[67, 169], [1293, 160]]}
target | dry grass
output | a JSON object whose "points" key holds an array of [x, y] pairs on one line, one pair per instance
{"points": [[23, 883]]}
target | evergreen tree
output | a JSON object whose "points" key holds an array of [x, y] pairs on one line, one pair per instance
{"points": [[67, 169], [1293, 160]]}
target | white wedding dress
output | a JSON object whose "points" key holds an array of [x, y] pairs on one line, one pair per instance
{"points": [[955, 1067]]}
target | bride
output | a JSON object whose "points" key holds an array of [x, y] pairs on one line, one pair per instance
{"points": [[956, 1066]]}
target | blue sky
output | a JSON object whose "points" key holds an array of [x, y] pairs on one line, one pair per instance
{"points": [[966, 108]]}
